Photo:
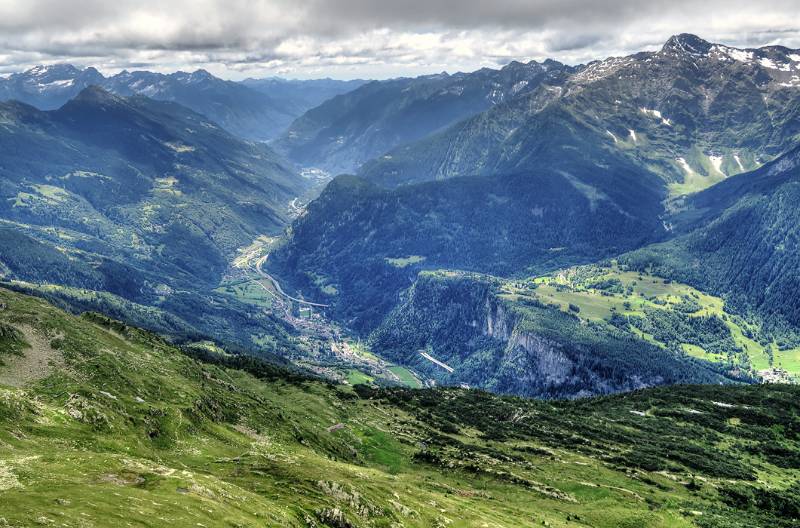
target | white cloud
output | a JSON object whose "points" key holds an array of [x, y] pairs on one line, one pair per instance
{"points": [[367, 38]]}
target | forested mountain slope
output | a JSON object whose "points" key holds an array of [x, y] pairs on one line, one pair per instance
{"points": [[344, 132], [368, 243], [145, 200], [741, 242]]}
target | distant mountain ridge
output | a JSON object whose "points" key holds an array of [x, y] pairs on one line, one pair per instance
{"points": [[344, 132], [302, 95], [255, 109], [692, 112], [48, 87]]}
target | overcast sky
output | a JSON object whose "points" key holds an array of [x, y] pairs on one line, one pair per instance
{"points": [[367, 39]]}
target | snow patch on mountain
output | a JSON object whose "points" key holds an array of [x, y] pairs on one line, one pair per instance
{"points": [[685, 166], [656, 114], [61, 83], [771, 64], [727, 53], [597, 70], [716, 161], [519, 86]]}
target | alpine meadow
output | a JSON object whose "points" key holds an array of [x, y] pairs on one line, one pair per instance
{"points": [[440, 264]]}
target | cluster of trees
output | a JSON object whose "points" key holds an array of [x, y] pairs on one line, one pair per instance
{"points": [[11, 341], [673, 327], [669, 438]]}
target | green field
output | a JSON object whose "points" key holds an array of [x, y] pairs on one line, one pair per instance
{"points": [[354, 377], [250, 291], [406, 377]]}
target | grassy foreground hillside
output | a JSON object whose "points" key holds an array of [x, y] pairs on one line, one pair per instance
{"points": [[105, 425]]}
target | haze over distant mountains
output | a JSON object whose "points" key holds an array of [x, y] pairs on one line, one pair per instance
{"points": [[347, 131], [254, 109], [500, 178]]}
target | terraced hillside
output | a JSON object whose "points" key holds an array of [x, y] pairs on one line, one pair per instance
{"points": [[102, 424]]}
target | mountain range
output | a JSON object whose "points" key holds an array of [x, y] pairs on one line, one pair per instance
{"points": [[610, 162], [540, 295], [257, 109], [627, 137], [344, 132], [521, 182], [142, 199]]}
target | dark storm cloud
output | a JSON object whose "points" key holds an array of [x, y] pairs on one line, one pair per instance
{"points": [[307, 37]]}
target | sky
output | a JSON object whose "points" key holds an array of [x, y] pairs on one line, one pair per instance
{"points": [[376, 39]]}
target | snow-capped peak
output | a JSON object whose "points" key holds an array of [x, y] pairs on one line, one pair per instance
{"points": [[686, 43]]}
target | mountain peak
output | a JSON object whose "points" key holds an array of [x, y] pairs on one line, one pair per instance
{"points": [[686, 43], [60, 69], [96, 94]]}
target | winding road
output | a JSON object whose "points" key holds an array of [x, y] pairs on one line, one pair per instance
{"points": [[278, 288]]}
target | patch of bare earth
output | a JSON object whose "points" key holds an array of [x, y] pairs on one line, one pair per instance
{"points": [[38, 361]]}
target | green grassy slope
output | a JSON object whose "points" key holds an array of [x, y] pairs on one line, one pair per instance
{"points": [[105, 425], [738, 240], [669, 314]]}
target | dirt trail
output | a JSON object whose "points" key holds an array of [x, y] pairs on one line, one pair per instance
{"points": [[37, 361]]}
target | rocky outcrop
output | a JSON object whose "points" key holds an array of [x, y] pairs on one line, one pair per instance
{"points": [[520, 347], [545, 362]]}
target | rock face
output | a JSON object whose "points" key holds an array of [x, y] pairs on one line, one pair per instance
{"points": [[505, 346], [550, 367]]}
